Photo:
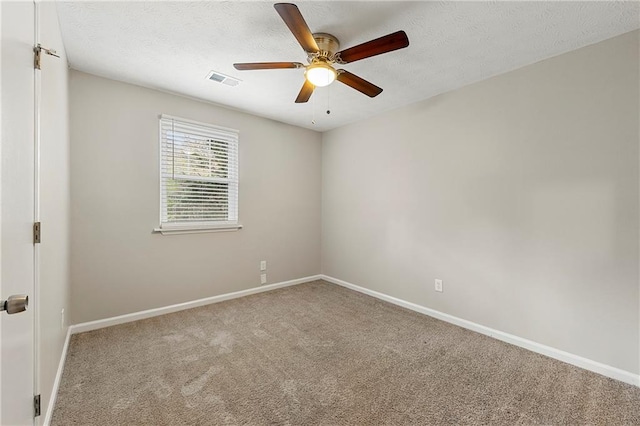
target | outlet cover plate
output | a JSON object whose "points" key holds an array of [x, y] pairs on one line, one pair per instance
{"points": [[439, 285]]}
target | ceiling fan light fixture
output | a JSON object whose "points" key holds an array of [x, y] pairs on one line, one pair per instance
{"points": [[322, 51], [320, 74]]}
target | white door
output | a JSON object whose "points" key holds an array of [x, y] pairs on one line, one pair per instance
{"points": [[17, 189]]}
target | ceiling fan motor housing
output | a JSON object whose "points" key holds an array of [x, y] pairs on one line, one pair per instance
{"points": [[327, 44]]}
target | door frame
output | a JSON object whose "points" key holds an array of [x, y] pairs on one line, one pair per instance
{"points": [[1, 196], [37, 92]]}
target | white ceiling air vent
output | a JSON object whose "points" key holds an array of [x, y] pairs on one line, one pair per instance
{"points": [[221, 78]]}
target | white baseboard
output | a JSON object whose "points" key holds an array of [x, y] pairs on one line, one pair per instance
{"points": [[578, 361], [107, 322], [56, 382]]}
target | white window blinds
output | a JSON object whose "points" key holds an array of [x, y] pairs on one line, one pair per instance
{"points": [[198, 174]]}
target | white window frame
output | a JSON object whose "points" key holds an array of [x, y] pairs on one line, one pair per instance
{"points": [[190, 227]]}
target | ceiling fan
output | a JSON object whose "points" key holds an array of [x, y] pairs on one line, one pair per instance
{"points": [[322, 54]]}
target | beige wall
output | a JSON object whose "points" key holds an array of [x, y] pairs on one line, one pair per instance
{"points": [[54, 202], [520, 192], [118, 265]]}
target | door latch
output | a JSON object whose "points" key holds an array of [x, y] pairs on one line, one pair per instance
{"points": [[15, 304]]}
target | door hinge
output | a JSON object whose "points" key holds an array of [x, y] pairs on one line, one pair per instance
{"points": [[36, 232], [36, 406], [37, 54]]}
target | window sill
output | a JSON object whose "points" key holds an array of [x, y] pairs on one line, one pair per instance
{"points": [[177, 230]]}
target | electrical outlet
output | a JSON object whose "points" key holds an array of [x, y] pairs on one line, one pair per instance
{"points": [[439, 285], [263, 265], [62, 319], [263, 278]]}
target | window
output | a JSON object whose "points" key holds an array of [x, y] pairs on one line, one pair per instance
{"points": [[198, 176]]}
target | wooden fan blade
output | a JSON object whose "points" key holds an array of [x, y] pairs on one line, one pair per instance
{"points": [[291, 16], [267, 65], [305, 92], [388, 43], [360, 84]]}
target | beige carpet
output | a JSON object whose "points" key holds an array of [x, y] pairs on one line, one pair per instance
{"points": [[317, 353]]}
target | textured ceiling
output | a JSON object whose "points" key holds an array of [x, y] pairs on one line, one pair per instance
{"points": [[172, 46]]}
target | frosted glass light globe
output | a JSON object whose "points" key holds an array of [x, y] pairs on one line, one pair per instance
{"points": [[320, 74]]}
